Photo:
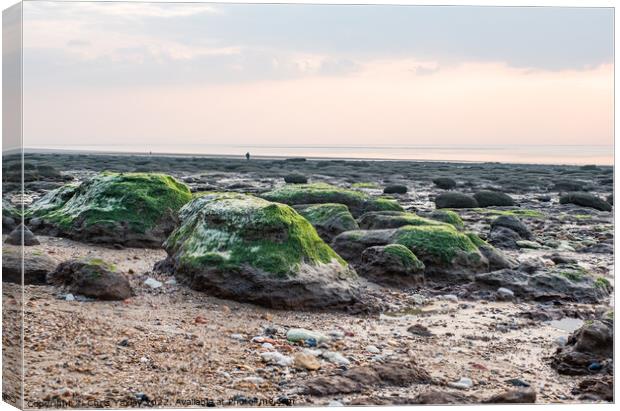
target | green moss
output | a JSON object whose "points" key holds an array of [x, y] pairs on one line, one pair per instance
{"points": [[602, 283], [365, 185], [514, 213], [320, 193], [449, 217], [229, 230], [576, 275], [478, 242], [405, 255], [139, 200], [376, 220], [441, 242]]}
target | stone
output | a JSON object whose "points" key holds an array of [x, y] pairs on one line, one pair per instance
{"points": [[395, 189], [295, 178], [392, 265], [248, 249], [276, 358], [445, 183], [15, 237], [513, 397], [505, 293], [455, 200], [152, 283], [36, 266], [514, 224], [306, 361], [463, 383], [92, 278], [302, 334], [328, 219], [585, 200], [130, 209], [335, 358], [493, 199], [592, 343]]}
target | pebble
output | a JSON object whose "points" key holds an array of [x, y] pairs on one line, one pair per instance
{"points": [[372, 349], [237, 337], [172, 281], [528, 244], [335, 403], [336, 334], [153, 283], [335, 358], [306, 361], [463, 384], [595, 366], [517, 382], [267, 345], [505, 293], [274, 357], [449, 297], [301, 334], [69, 297], [561, 340]]}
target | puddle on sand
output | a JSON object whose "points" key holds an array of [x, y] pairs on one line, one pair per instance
{"points": [[566, 324]]}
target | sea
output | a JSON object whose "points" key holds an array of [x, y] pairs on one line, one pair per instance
{"points": [[517, 154]]}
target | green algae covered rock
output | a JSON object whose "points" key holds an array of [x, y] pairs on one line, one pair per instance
{"points": [[328, 219], [132, 209], [441, 247], [249, 249], [447, 216], [376, 220], [392, 265], [320, 193]]}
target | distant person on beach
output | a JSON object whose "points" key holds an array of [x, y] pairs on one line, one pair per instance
{"points": [[247, 156]]}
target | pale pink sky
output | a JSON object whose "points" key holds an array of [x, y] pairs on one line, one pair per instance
{"points": [[213, 74]]}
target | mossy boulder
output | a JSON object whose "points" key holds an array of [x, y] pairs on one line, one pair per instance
{"points": [[585, 200], [488, 198], [295, 178], [132, 209], [376, 220], [445, 183], [441, 247], [253, 250], [447, 216], [455, 200], [320, 193], [92, 278], [392, 265], [328, 219]]}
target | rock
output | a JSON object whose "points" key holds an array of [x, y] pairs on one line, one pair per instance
{"points": [[505, 293], [592, 343], [514, 224], [328, 219], [545, 286], [569, 185], [504, 237], [610, 199], [306, 361], [301, 335], [378, 220], [445, 183], [321, 193], [69, 297], [392, 264], [529, 244], [335, 358], [419, 330], [132, 209], [15, 237], [392, 373], [395, 189], [585, 200], [92, 278], [334, 403], [276, 358], [249, 249], [36, 266], [462, 384], [513, 397], [455, 200], [596, 389], [493, 198], [448, 297], [372, 349], [518, 382], [11, 216], [152, 283], [295, 179], [447, 216], [443, 397]]}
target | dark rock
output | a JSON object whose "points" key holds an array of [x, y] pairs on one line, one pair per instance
{"points": [[445, 183], [15, 237], [420, 330], [585, 200], [493, 198], [592, 343], [443, 397], [36, 266], [394, 373], [569, 185], [504, 237], [91, 278], [514, 224], [596, 389], [395, 189], [610, 199], [295, 179], [514, 397], [392, 264], [455, 200]]}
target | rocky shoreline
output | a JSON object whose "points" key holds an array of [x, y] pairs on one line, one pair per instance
{"points": [[172, 281]]}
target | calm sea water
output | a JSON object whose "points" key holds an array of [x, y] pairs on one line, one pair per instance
{"points": [[540, 154]]}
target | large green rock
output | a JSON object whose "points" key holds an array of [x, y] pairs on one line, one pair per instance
{"points": [[320, 193], [328, 219], [249, 249], [376, 220], [132, 209]]}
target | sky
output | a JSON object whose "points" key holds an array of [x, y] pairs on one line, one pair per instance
{"points": [[153, 73]]}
